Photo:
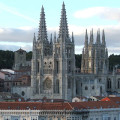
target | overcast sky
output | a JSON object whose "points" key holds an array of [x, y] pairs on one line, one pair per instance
{"points": [[19, 19]]}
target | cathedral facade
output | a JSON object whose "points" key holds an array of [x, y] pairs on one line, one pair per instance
{"points": [[53, 71], [53, 61]]}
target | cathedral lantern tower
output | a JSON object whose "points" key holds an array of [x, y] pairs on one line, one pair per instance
{"points": [[94, 56]]}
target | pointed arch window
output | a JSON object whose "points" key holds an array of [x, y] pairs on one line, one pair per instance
{"points": [[109, 83], [38, 66], [69, 66], [118, 83], [57, 67], [57, 86], [69, 83]]}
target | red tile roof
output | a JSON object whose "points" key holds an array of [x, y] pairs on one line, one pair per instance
{"points": [[94, 105], [57, 106], [34, 105]]}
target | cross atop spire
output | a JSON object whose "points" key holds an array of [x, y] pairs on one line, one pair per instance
{"points": [[63, 30], [42, 33]]}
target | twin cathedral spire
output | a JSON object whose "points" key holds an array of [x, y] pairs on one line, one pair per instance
{"points": [[63, 29]]}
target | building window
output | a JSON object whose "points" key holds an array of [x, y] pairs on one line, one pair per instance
{"points": [[38, 67], [69, 67], [57, 66], [119, 83], [57, 85], [93, 87], [77, 87], [69, 83], [7, 84], [23, 93], [109, 83], [50, 118], [106, 117], [86, 88]]}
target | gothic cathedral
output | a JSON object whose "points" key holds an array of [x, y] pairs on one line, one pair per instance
{"points": [[53, 71]]}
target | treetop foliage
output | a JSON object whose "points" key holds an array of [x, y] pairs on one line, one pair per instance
{"points": [[7, 59]]}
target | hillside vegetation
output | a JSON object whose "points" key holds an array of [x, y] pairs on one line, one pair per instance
{"points": [[7, 59]]}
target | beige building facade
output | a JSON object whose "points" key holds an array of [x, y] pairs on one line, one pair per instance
{"points": [[59, 111]]}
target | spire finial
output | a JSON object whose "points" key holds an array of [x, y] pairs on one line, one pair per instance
{"points": [[34, 42], [86, 35], [34, 39], [91, 36], [51, 39], [54, 37], [63, 5], [63, 30], [103, 38], [72, 37], [42, 9], [42, 33], [86, 39]]}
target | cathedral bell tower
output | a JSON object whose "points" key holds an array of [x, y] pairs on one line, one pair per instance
{"points": [[41, 48], [64, 58]]}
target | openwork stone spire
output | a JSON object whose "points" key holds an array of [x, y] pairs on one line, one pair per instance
{"points": [[98, 37], [63, 30], [91, 36], [103, 38], [86, 39], [34, 40], [42, 33]]}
